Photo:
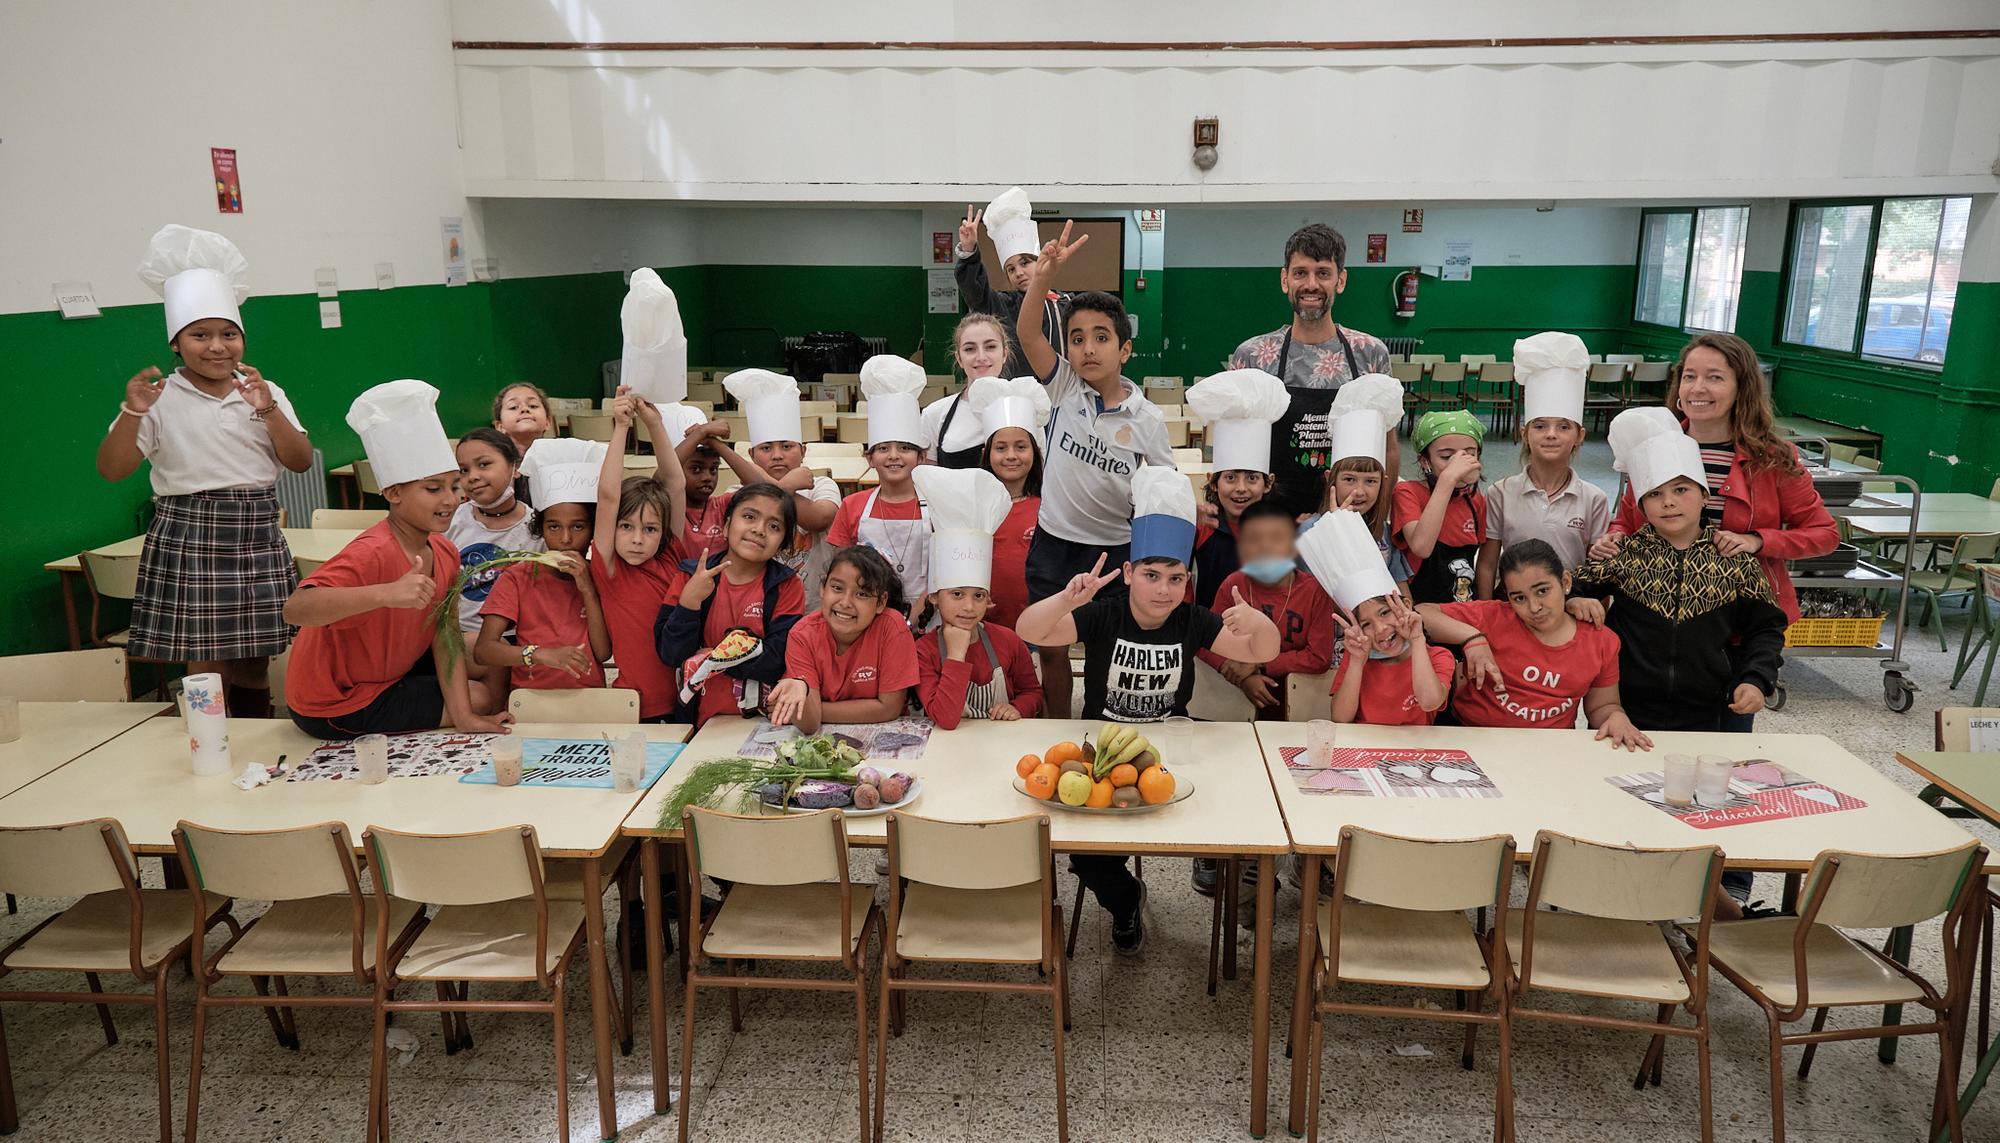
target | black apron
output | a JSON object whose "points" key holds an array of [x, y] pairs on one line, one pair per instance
{"points": [[965, 457], [1445, 575], [1302, 443]]}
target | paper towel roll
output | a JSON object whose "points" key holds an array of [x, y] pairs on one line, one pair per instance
{"points": [[207, 724]]}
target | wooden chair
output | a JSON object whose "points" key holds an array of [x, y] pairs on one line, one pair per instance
{"points": [[590, 426], [1604, 393], [1444, 389], [495, 923], [790, 900], [1648, 384], [818, 408], [1427, 360], [364, 479], [1397, 918], [1477, 362], [821, 449], [1793, 965], [561, 408], [109, 577], [1188, 456], [1605, 941], [1408, 372], [345, 518], [1495, 393], [1308, 697], [114, 927], [1177, 432], [1625, 358], [710, 393], [971, 893], [575, 704], [66, 676], [1842, 452], [319, 925]]}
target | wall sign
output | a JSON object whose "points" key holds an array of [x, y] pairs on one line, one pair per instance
{"points": [[1413, 221], [1378, 248], [228, 184]]}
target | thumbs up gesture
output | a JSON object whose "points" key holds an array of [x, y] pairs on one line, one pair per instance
{"points": [[414, 590]]}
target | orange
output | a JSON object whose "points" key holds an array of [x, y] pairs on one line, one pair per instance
{"points": [[1124, 774], [1100, 794], [1062, 752], [1042, 782], [1027, 764], [1156, 785]]}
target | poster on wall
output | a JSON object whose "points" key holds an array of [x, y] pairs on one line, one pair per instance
{"points": [[943, 247], [453, 232], [228, 185], [941, 290], [1378, 248], [1457, 262], [1413, 221]]}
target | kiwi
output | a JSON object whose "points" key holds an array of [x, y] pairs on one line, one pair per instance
{"points": [[1146, 758], [1076, 766], [1126, 796]]}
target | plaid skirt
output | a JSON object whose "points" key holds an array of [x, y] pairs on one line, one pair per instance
{"points": [[213, 578]]}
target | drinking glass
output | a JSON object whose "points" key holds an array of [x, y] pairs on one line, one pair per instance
{"points": [[371, 753], [1680, 774], [506, 760], [628, 761], [1711, 779], [1319, 743]]}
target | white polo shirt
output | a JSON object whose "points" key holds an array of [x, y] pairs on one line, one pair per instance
{"points": [[1570, 521], [1089, 454], [199, 443]]}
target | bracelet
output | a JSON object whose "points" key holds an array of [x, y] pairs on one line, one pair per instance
{"points": [[528, 656], [129, 411], [1479, 637]]}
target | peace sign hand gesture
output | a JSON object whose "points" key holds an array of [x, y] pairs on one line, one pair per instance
{"points": [[143, 390], [701, 584], [1354, 638], [1084, 586], [1409, 624], [968, 231], [255, 390], [1054, 254]]}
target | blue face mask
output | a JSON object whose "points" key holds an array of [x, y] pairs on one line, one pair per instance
{"points": [[1269, 571]]}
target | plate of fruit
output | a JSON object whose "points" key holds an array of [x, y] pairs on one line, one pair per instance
{"points": [[1121, 773]]}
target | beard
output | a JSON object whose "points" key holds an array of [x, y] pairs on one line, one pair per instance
{"points": [[1311, 310]]}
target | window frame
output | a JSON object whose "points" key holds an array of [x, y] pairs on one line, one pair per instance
{"points": [[1877, 205], [1693, 213]]}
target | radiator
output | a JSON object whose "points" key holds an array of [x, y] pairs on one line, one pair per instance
{"points": [[1403, 345], [300, 493]]}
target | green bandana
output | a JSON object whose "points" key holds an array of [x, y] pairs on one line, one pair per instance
{"points": [[1444, 422]]}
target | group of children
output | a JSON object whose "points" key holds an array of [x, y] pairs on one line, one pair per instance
{"points": [[1426, 599]]}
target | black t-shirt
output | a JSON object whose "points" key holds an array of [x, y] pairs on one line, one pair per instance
{"points": [[1135, 675]]}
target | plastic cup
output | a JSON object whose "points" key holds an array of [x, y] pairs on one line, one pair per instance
{"points": [[1680, 774], [371, 753], [1177, 735], [10, 718], [1711, 779], [1319, 743], [506, 760], [628, 761]]}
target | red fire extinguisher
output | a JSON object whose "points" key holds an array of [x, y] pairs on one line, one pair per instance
{"points": [[1405, 291]]}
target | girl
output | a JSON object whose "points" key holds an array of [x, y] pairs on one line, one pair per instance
{"points": [[853, 660], [1239, 407], [890, 517], [1388, 675], [1354, 484], [560, 640], [744, 585], [214, 572], [1013, 413], [491, 522], [980, 347], [1546, 500], [629, 565], [969, 668], [1215, 557], [1527, 662], [521, 410], [1441, 519], [1359, 480]]}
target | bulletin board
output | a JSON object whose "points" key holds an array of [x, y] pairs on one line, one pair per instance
{"points": [[1099, 265]]}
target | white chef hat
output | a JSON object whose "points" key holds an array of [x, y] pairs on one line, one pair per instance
{"points": [[678, 419], [1016, 403], [1551, 367], [655, 360], [1345, 559], [770, 404], [398, 425], [1649, 447], [966, 507], [563, 470], [1239, 407], [1363, 409], [1010, 221], [892, 387], [1162, 514], [199, 273]]}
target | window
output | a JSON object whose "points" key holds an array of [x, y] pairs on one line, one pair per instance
{"points": [[1691, 267], [1876, 278]]}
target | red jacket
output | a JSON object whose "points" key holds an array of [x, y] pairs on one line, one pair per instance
{"points": [[1784, 510]]}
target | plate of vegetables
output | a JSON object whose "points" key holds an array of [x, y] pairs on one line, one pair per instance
{"points": [[810, 773], [872, 792]]}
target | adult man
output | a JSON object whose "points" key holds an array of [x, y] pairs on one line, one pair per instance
{"points": [[1313, 357]]}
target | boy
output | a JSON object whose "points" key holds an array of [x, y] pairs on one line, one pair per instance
{"points": [[1100, 431], [1139, 651], [1272, 581], [1017, 240], [770, 404]]}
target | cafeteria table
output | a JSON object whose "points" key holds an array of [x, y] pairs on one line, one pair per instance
{"points": [[55, 733], [1941, 516], [1827, 431]]}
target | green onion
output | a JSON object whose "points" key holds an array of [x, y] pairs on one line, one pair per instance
{"points": [[706, 784], [444, 613]]}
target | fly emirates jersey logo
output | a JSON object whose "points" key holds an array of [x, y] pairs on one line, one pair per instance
{"points": [[1094, 451]]}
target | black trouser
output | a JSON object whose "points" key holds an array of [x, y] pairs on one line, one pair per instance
{"points": [[413, 702], [1117, 890]]}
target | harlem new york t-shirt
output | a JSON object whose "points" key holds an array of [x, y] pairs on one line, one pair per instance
{"points": [[1134, 675]]}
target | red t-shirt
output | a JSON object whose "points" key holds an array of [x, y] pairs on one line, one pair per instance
{"points": [[1010, 559], [846, 524], [1464, 519], [1303, 613], [1545, 685], [704, 528], [342, 667], [632, 600], [883, 659], [943, 683], [546, 609], [1389, 690], [739, 605]]}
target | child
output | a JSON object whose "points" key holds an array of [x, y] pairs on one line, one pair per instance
{"points": [[359, 666], [1017, 241], [1441, 519], [1546, 500], [777, 454], [1139, 651], [1100, 432], [968, 668], [492, 522], [890, 517], [559, 638], [1358, 431], [521, 410], [1272, 582], [853, 660], [214, 571], [703, 511], [981, 347], [629, 561], [742, 586], [1388, 675], [1527, 662], [1239, 408], [1013, 413]]}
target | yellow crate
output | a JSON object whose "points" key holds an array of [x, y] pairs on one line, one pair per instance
{"points": [[1835, 632]]}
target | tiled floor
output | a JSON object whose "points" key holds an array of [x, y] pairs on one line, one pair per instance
{"points": [[1150, 1056]]}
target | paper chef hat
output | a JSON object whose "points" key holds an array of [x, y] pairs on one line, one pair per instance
{"points": [[1362, 412], [563, 470], [1344, 558], [655, 360], [967, 506], [199, 273], [1551, 367], [678, 419], [1010, 403], [398, 425], [770, 404], [1010, 221], [1162, 514], [1239, 407], [1648, 446], [892, 387]]}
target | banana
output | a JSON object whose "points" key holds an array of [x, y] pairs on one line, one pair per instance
{"points": [[1131, 749], [1112, 737]]}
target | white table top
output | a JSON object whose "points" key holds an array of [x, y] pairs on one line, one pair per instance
{"points": [[319, 544], [968, 775], [143, 779], [1554, 779], [53, 733]]}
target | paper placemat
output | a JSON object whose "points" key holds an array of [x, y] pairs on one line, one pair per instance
{"points": [[575, 763], [897, 740], [410, 756], [1759, 791], [1391, 773]]}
